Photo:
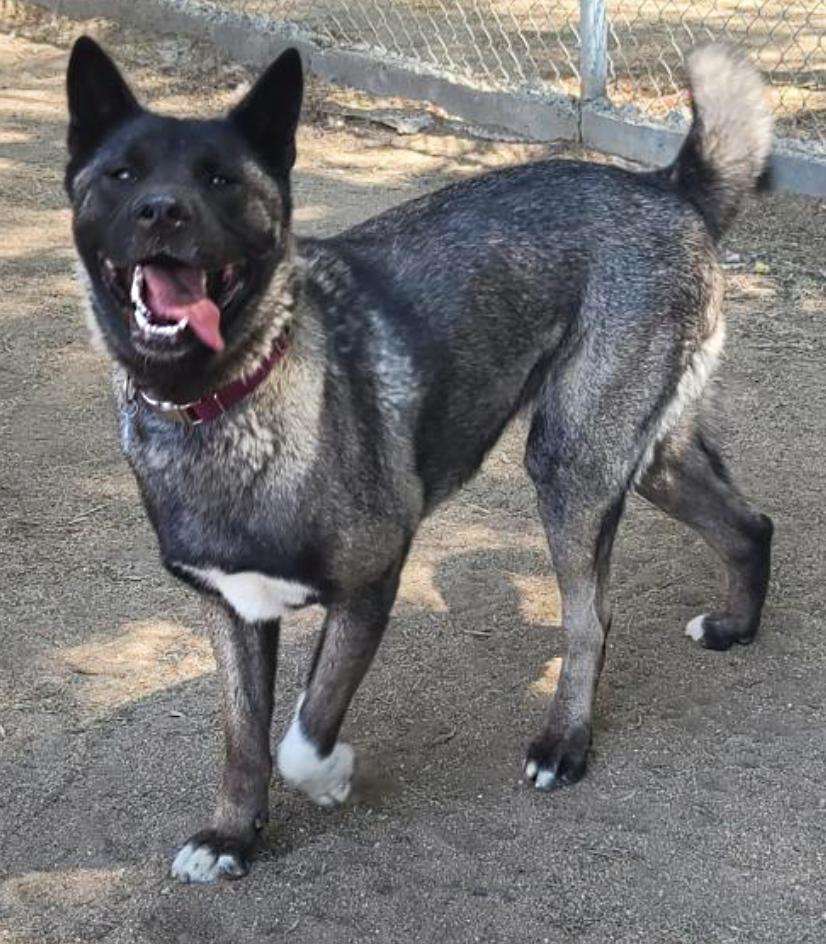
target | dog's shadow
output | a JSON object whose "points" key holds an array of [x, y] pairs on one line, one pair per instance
{"points": [[507, 600], [453, 674]]}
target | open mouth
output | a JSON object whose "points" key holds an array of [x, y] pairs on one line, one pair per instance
{"points": [[169, 301]]}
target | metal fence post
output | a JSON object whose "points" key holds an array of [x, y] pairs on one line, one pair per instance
{"points": [[593, 59]]}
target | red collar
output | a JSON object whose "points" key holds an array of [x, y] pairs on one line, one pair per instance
{"points": [[214, 404]]}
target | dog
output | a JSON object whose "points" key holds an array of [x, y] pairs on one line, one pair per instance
{"points": [[292, 409]]}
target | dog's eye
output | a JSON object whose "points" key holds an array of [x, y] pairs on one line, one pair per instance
{"points": [[124, 174], [219, 180]]}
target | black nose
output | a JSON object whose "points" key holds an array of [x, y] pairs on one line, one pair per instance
{"points": [[162, 210]]}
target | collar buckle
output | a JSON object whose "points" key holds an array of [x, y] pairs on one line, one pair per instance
{"points": [[177, 412]]}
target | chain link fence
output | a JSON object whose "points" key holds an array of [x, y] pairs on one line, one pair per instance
{"points": [[609, 74], [535, 45], [500, 44]]}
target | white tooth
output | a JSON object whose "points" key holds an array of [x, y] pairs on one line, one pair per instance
{"points": [[164, 331], [142, 316], [137, 287], [136, 294]]}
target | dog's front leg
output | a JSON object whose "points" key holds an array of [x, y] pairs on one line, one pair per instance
{"points": [[246, 656], [310, 756]]}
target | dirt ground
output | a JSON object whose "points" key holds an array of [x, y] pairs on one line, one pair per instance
{"points": [[703, 816]]}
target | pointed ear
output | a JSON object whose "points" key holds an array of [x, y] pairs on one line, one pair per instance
{"points": [[268, 114], [99, 98]]}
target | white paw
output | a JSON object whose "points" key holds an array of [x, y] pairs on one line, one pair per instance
{"points": [[205, 862], [694, 629], [325, 780], [542, 778]]}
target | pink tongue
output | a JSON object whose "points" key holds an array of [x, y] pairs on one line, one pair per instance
{"points": [[179, 294]]}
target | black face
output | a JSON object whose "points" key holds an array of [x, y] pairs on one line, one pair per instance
{"points": [[180, 224]]}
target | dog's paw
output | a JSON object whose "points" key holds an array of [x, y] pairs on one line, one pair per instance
{"points": [[331, 782], [210, 855], [325, 780], [719, 632], [558, 761]]}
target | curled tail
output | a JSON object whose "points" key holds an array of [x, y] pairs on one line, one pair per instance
{"points": [[728, 145]]}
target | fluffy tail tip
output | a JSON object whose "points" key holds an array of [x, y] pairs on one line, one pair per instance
{"points": [[727, 150], [730, 97]]}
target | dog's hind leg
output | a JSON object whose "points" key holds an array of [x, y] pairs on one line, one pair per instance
{"points": [[246, 656], [689, 481], [593, 427], [581, 509], [310, 757]]}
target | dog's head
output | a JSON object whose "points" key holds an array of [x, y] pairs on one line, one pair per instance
{"points": [[180, 224]]}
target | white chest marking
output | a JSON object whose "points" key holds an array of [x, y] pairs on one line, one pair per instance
{"points": [[254, 597]]}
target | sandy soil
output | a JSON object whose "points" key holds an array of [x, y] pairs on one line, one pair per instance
{"points": [[703, 818]]}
